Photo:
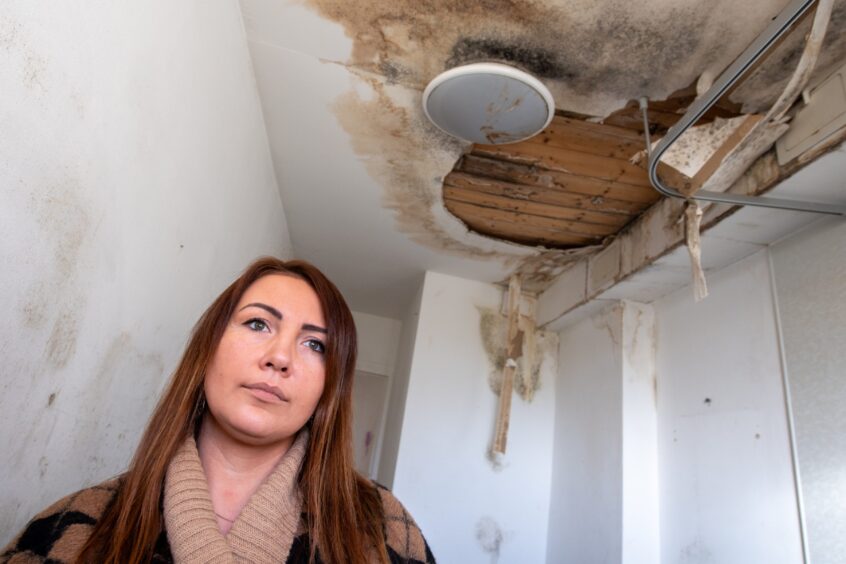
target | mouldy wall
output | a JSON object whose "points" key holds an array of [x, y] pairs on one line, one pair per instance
{"points": [[136, 184], [726, 488], [470, 511]]}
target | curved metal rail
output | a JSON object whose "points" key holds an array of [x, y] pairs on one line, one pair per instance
{"points": [[750, 56]]}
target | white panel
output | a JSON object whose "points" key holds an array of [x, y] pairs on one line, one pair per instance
{"points": [[810, 278], [726, 483], [822, 116]]}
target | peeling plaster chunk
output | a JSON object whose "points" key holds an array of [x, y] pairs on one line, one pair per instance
{"points": [[538, 349]]}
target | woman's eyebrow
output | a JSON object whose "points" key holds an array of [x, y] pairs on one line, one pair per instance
{"points": [[310, 327], [271, 310]]}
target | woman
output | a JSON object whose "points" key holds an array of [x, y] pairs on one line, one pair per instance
{"points": [[247, 456]]}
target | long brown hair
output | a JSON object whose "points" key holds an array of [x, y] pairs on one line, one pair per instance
{"points": [[343, 511]]}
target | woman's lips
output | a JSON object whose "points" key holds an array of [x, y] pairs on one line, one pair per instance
{"points": [[266, 392]]}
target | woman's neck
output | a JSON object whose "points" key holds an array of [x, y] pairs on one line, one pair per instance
{"points": [[234, 470]]}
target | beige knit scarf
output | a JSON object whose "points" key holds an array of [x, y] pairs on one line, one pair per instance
{"points": [[264, 530]]}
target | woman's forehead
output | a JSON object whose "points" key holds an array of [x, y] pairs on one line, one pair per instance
{"points": [[283, 291]]}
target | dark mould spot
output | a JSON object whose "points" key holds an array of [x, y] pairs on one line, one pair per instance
{"points": [[707, 401], [393, 72], [51, 399], [757, 435], [538, 61]]}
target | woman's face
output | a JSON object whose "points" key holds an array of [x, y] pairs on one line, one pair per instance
{"points": [[267, 375]]}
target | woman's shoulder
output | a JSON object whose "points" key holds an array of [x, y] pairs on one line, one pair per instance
{"points": [[58, 532], [405, 540]]}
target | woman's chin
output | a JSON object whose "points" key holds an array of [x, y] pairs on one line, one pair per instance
{"points": [[257, 431]]}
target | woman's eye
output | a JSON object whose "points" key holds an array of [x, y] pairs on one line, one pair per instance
{"points": [[316, 346], [256, 325]]}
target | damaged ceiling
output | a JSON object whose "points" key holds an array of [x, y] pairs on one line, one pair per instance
{"points": [[375, 194]]}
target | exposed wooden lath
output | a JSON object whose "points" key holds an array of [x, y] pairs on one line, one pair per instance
{"points": [[573, 185]]}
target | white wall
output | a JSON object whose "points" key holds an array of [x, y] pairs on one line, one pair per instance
{"points": [[605, 483], [378, 338], [398, 391], [585, 520], [810, 280], [136, 183], [469, 511], [641, 538], [726, 486]]}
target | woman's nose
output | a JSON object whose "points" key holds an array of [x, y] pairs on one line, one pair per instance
{"points": [[278, 355]]}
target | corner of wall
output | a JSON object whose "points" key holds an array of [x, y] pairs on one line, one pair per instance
{"points": [[389, 447]]}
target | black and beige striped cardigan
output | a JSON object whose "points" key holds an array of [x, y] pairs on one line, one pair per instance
{"points": [[57, 534]]}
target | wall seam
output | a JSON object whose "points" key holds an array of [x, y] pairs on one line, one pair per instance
{"points": [[788, 408]]}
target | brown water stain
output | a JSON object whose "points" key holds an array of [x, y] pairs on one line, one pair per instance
{"points": [[588, 53], [539, 348], [594, 57], [399, 46], [61, 345], [64, 220], [409, 158], [540, 270], [123, 364]]}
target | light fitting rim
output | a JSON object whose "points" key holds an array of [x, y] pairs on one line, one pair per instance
{"points": [[499, 69]]}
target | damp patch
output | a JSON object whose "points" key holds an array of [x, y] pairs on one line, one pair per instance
{"points": [[538, 352], [490, 538], [593, 55]]}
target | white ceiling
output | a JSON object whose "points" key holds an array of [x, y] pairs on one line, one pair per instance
{"points": [[360, 170]]}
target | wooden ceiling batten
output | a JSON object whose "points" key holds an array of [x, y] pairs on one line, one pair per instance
{"points": [[573, 162], [543, 195], [531, 175], [536, 209], [573, 185]]}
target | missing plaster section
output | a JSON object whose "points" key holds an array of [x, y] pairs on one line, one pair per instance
{"points": [[538, 348]]}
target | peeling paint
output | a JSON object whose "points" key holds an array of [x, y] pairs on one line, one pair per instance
{"points": [[539, 348]]}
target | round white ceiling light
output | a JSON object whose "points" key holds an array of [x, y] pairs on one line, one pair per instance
{"points": [[488, 103]]}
